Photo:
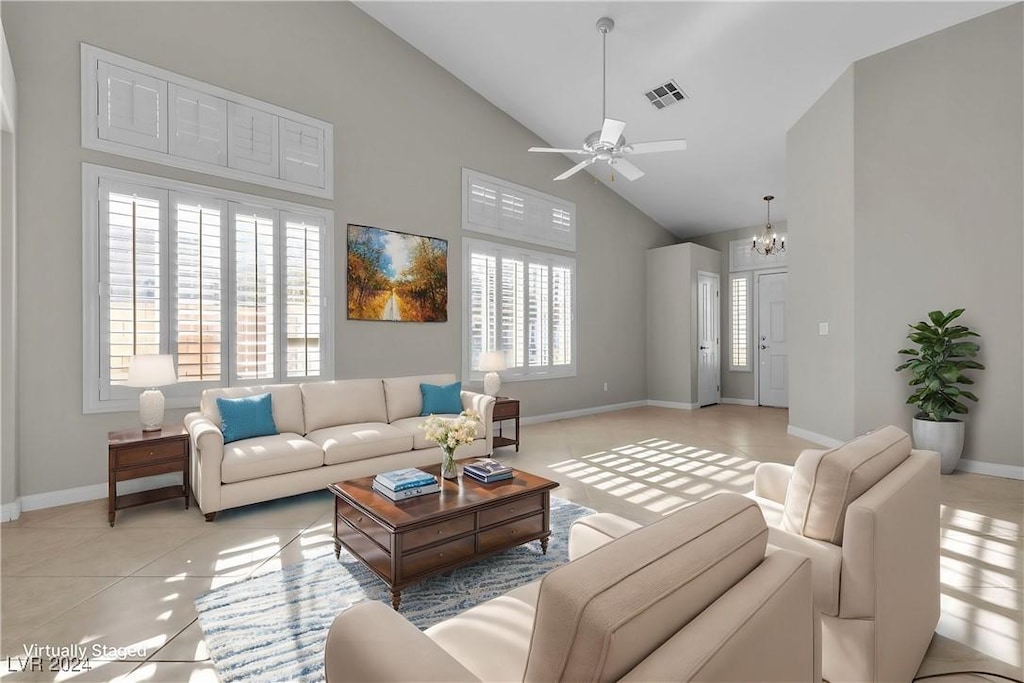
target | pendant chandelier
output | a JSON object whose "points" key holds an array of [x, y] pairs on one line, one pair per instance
{"points": [[769, 243]]}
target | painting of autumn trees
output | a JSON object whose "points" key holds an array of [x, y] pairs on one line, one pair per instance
{"points": [[396, 276]]}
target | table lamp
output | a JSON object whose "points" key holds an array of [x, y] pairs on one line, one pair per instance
{"points": [[492, 362], [149, 372]]}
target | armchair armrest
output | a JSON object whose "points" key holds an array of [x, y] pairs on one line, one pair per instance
{"points": [[207, 453], [370, 642], [771, 479], [484, 405], [593, 531], [826, 565]]}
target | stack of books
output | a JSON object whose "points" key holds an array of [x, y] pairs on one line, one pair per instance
{"points": [[404, 484], [487, 470]]}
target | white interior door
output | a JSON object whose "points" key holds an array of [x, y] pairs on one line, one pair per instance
{"points": [[773, 377], [708, 354]]}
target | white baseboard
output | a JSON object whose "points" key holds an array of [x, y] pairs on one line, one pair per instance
{"points": [[10, 511], [821, 439], [739, 402], [673, 404], [79, 494], [992, 469], [582, 412]]}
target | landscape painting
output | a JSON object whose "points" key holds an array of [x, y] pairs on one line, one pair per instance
{"points": [[396, 276]]}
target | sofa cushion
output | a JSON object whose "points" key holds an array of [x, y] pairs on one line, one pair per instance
{"points": [[403, 397], [343, 402], [603, 613], [824, 483], [265, 456], [285, 399], [246, 417], [346, 443], [414, 427]]}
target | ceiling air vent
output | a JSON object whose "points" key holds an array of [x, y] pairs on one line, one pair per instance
{"points": [[665, 94]]}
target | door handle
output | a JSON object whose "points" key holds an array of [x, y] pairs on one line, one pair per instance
{"points": [[704, 348], [764, 346]]}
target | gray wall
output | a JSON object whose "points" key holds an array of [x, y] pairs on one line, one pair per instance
{"points": [[938, 125], [332, 61], [672, 319], [820, 198], [935, 210], [735, 384]]}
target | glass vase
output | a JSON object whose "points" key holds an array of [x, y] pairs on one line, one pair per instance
{"points": [[448, 468]]}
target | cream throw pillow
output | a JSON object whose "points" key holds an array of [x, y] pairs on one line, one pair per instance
{"points": [[825, 483]]}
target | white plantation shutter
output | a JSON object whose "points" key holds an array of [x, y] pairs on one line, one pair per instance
{"points": [[502, 208], [482, 205], [739, 347], [520, 302], [303, 319], [302, 153], [132, 107], [254, 293], [198, 266], [198, 125], [252, 140]]}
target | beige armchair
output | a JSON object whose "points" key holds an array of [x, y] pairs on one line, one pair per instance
{"points": [[867, 515], [692, 597]]}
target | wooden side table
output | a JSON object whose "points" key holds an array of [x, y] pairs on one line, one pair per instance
{"points": [[506, 408], [133, 453]]}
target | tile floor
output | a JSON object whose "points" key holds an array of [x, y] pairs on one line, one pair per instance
{"points": [[68, 578]]}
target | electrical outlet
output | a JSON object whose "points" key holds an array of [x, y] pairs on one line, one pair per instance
{"points": [[606, 386], [823, 329]]}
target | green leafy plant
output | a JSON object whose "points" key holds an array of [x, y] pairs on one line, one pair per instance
{"points": [[938, 365]]}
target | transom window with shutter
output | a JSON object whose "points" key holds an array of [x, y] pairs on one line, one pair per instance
{"points": [[521, 302], [233, 286], [504, 209]]}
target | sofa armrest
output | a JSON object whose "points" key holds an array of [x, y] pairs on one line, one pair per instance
{"points": [[207, 454], [771, 479], [484, 405], [371, 642], [593, 531], [826, 565]]}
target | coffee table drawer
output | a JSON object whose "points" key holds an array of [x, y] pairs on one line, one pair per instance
{"points": [[140, 455], [511, 510], [511, 533], [437, 557], [437, 532], [363, 523], [370, 553]]}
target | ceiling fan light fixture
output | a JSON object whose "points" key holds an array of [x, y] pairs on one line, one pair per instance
{"points": [[768, 243]]}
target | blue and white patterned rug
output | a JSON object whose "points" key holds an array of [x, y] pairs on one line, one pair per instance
{"points": [[273, 627]]}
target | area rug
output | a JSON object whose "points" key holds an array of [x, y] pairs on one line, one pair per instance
{"points": [[273, 627]]}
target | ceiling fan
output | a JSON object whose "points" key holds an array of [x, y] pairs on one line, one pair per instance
{"points": [[608, 144]]}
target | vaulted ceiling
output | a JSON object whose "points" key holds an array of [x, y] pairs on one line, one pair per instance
{"points": [[751, 69]]}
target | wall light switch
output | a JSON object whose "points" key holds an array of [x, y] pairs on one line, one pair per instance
{"points": [[823, 329]]}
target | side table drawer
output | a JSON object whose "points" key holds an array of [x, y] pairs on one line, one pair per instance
{"points": [[516, 508], [437, 532], [509, 534], [506, 410], [128, 456], [438, 556]]}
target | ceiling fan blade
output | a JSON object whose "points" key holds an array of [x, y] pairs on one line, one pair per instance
{"points": [[560, 151], [578, 167], [657, 146], [611, 131], [628, 170]]}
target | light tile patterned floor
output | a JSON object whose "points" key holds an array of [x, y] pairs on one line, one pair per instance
{"points": [[67, 577]]}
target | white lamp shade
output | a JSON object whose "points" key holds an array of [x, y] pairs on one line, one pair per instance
{"points": [[150, 371], [492, 361]]}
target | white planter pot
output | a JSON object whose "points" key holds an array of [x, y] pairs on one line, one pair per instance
{"points": [[945, 437]]}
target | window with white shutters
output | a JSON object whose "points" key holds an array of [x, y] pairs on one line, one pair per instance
{"points": [[498, 207], [521, 302], [739, 347], [233, 286]]}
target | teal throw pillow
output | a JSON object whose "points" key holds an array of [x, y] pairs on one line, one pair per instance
{"points": [[441, 399], [244, 418]]}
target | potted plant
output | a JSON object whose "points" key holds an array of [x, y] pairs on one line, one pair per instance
{"points": [[450, 433], [937, 373]]}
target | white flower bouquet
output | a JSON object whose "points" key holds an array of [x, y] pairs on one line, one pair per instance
{"points": [[450, 433]]}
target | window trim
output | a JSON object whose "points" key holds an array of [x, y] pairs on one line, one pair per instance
{"points": [[506, 250], [187, 394], [747, 277]]}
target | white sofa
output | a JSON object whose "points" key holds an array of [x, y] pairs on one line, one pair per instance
{"points": [[328, 432]]}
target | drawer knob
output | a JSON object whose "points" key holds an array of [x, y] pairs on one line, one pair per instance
{"points": [[440, 554], [511, 509], [359, 520], [151, 452], [439, 532], [512, 532]]}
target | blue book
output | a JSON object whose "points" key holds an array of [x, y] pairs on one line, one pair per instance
{"points": [[407, 493], [399, 480]]}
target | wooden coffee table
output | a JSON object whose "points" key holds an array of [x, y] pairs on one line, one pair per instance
{"points": [[411, 540]]}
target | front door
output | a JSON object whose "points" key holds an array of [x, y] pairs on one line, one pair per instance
{"points": [[773, 377], [708, 363]]}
